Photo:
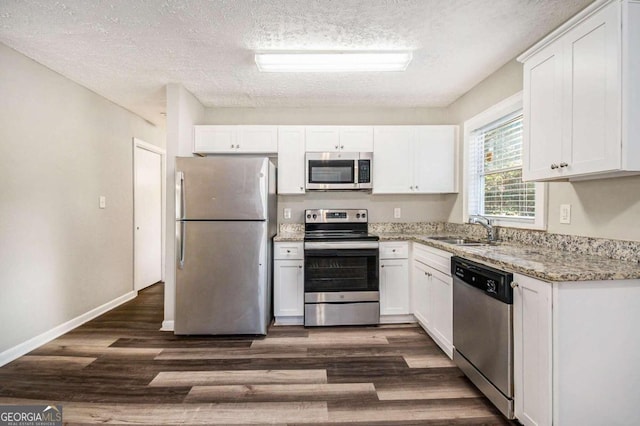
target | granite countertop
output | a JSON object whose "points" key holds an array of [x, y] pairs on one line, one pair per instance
{"points": [[535, 261], [539, 262], [289, 237]]}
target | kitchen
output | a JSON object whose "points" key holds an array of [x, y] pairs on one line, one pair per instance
{"points": [[64, 286]]}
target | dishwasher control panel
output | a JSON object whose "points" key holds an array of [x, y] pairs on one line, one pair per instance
{"points": [[493, 282]]}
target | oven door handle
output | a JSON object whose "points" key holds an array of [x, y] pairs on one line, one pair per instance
{"points": [[340, 245], [341, 253]]}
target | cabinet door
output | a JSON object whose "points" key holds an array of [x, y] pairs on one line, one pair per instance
{"points": [[420, 294], [434, 157], [593, 103], [442, 318], [322, 138], [291, 168], [392, 160], [542, 109], [356, 138], [288, 288], [532, 350], [257, 139], [394, 287], [215, 139]]}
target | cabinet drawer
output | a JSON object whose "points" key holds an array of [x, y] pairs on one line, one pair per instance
{"points": [[395, 250], [436, 258], [288, 251]]}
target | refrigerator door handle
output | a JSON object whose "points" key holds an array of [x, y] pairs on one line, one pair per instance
{"points": [[181, 238], [179, 195], [180, 229]]}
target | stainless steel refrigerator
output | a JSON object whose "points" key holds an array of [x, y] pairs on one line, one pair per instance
{"points": [[225, 222]]}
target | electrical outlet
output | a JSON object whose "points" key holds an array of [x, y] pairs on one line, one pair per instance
{"points": [[565, 213], [103, 202], [287, 213], [397, 213]]}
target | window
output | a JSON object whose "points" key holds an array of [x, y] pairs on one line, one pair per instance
{"points": [[494, 168]]}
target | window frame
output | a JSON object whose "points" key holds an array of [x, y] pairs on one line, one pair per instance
{"points": [[492, 114]]}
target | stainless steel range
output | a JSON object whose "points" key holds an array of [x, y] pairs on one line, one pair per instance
{"points": [[341, 285]]}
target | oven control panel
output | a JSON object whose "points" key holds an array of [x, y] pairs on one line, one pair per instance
{"points": [[336, 216]]}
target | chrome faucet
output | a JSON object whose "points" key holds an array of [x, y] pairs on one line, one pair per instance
{"points": [[486, 223]]}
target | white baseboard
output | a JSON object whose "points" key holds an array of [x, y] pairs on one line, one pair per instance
{"points": [[397, 319], [289, 321], [167, 325], [37, 341]]}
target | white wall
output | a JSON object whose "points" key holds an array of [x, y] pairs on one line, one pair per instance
{"points": [[603, 208], [61, 147], [183, 111]]}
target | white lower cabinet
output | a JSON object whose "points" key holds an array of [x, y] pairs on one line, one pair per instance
{"points": [[532, 350], [421, 293], [576, 349], [394, 281], [288, 283], [432, 294]]}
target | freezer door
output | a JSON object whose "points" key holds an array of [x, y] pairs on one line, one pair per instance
{"points": [[222, 188], [223, 286]]}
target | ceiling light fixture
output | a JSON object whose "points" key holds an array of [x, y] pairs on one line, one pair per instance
{"points": [[332, 61]]}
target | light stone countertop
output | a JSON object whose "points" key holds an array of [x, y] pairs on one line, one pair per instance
{"points": [[535, 261], [289, 237]]}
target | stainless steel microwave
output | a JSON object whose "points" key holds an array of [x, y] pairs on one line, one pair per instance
{"points": [[338, 170]]}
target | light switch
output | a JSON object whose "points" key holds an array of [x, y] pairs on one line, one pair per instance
{"points": [[103, 202], [397, 213], [287, 213], [565, 213]]}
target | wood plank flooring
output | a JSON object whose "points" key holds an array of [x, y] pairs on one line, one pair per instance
{"points": [[120, 369]]}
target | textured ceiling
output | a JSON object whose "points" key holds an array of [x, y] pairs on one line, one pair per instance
{"points": [[128, 50]]}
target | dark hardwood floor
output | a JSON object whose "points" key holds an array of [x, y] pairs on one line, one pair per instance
{"points": [[120, 369]]}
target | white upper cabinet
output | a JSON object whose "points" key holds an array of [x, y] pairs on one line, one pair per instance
{"points": [[582, 96], [414, 159], [339, 138], [291, 146], [214, 139]]}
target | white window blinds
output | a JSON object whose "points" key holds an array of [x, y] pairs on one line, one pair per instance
{"points": [[496, 171]]}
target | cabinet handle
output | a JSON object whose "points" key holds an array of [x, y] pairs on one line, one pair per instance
{"points": [[299, 266], [416, 187], [341, 146], [336, 146], [564, 165], [411, 188], [238, 146], [301, 189], [554, 166], [514, 284], [394, 250], [382, 266], [288, 251]]}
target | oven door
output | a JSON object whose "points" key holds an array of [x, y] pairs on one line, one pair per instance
{"points": [[341, 267], [341, 283]]}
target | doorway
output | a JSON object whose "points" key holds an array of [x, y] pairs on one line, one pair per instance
{"points": [[148, 216]]}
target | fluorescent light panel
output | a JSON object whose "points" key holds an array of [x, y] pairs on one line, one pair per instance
{"points": [[332, 61]]}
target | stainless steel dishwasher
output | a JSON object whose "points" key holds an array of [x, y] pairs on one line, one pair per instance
{"points": [[483, 329]]}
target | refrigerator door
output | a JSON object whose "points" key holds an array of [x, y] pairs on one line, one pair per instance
{"points": [[223, 285], [222, 188]]}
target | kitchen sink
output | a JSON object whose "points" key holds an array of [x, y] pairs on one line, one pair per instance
{"points": [[458, 241]]}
